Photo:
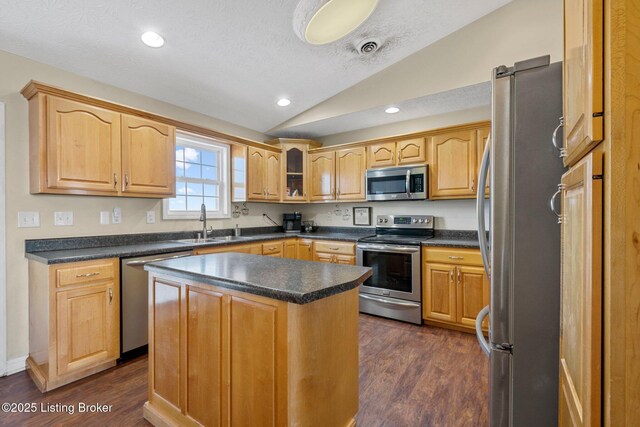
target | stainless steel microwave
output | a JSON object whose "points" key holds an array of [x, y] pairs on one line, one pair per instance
{"points": [[398, 183]]}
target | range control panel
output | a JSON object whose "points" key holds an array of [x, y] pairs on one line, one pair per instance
{"points": [[405, 221]]}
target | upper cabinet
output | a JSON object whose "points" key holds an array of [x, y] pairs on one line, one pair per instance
{"points": [[453, 165], [263, 174], [583, 77], [88, 148], [294, 168], [322, 167], [148, 157], [404, 152], [351, 165]]}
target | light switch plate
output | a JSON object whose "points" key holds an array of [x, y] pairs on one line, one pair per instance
{"points": [[116, 216], [62, 218], [104, 217], [28, 219], [151, 217]]}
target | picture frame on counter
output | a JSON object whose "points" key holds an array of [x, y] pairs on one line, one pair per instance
{"points": [[362, 216]]}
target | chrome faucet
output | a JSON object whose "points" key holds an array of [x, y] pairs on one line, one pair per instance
{"points": [[203, 218]]}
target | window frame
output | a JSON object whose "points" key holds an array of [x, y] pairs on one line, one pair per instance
{"points": [[198, 142]]}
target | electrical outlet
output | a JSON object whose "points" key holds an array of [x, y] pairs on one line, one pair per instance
{"points": [[62, 218], [116, 216], [104, 217], [151, 217], [28, 219]]}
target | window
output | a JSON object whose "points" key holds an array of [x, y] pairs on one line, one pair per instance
{"points": [[202, 176]]}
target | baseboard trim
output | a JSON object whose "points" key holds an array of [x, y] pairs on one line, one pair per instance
{"points": [[14, 366]]}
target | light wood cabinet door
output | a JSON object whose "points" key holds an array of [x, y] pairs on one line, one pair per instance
{"points": [[483, 139], [412, 151], [350, 173], [439, 292], [305, 250], [581, 295], [583, 77], [345, 259], [272, 176], [294, 172], [83, 147], [453, 165], [472, 294], [204, 370], [88, 326], [273, 249], [290, 249], [381, 155], [323, 171], [256, 166], [148, 157]]}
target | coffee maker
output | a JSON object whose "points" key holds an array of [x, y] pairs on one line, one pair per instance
{"points": [[292, 222]]}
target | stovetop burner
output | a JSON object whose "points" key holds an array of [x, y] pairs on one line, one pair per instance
{"points": [[401, 230]]}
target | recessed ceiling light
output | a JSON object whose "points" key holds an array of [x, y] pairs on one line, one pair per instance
{"points": [[392, 110], [283, 102], [325, 21], [152, 39]]}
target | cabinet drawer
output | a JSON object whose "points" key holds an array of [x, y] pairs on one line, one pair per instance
{"points": [[272, 248], [335, 248], [453, 256], [85, 272]]}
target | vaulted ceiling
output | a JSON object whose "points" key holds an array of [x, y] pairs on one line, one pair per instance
{"points": [[233, 59]]}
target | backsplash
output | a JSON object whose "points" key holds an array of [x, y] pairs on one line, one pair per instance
{"points": [[449, 214]]}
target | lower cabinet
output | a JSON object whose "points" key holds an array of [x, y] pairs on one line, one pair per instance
{"points": [[454, 287], [334, 252], [251, 248], [219, 357], [274, 249], [74, 320], [304, 249], [291, 249]]}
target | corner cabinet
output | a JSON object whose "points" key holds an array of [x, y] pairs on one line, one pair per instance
{"points": [[294, 172], [86, 148], [454, 287], [74, 320], [583, 77]]}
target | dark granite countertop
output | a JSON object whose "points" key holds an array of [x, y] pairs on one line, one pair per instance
{"points": [[454, 239], [283, 279], [56, 251]]}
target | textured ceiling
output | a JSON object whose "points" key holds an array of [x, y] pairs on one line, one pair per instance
{"points": [[228, 59], [465, 98]]}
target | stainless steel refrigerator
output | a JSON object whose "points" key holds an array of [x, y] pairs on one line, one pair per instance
{"points": [[522, 254]]}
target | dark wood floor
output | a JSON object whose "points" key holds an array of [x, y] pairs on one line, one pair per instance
{"points": [[409, 376]]}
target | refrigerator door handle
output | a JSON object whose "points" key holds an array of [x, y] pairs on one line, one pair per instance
{"points": [[480, 201], [484, 344]]}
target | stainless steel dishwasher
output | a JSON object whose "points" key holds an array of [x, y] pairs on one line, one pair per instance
{"points": [[134, 297]]}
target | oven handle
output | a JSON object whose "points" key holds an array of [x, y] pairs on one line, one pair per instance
{"points": [[389, 248], [389, 301]]}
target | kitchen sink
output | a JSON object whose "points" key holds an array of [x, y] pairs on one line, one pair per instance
{"points": [[230, 238], [212, 239]]}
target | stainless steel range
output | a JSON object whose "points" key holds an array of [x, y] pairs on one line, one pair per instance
{"points": [[393, 254]]}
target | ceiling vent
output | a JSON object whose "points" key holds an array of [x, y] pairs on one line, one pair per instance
{"points": [[367, 47]]}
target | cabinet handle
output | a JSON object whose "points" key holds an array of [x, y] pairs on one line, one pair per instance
{"points": [[126, 180], [334, 249], [459, 280], [451, 275], [115, 180], [554, 139], [473, 184], [110, 296], [552, 202], [456, 257], [95, 273]]}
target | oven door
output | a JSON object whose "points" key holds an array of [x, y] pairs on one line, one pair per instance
{"points": [[395, 270], [404, 183]]}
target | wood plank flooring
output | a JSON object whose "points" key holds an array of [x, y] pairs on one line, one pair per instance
{"points": [[409, 376]]}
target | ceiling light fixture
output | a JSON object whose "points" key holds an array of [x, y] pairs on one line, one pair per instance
{"points": [[152, 39], [392, 110], [283, 102], [320, 22]]}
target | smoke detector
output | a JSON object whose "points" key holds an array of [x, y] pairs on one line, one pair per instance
{"points": [[367, 47]]}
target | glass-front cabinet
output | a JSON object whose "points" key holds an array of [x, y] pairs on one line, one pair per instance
{"points": [[294, 172]]}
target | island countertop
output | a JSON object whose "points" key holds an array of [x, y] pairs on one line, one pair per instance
{"points": [[282, 279]]}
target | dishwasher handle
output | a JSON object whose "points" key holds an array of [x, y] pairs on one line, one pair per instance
{"points": [[143, 262]]}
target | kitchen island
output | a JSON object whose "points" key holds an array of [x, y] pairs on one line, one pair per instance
{"points": [[238, 339]]}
